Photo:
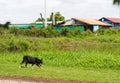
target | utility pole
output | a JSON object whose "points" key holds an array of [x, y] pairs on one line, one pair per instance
{"points": [[45, 9], [53, 19]]}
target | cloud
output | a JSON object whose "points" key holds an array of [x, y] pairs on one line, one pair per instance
{"points": [[89, 8], [74, 1], [28, 10], [53, 3]]}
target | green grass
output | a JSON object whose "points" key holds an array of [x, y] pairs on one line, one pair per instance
{"points": [[65, 65], [89, 58], [104, 75]]}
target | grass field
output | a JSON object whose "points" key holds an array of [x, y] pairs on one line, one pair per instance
{"points": [[65, 65], [89, 58]]}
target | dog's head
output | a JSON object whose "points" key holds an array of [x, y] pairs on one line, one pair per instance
{"points": [[39, 62]]}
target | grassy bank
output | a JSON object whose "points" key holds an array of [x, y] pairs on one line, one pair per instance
{"points": [[90, 58]]}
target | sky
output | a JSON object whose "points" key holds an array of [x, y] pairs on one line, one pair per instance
{"points": [[27, 11]]}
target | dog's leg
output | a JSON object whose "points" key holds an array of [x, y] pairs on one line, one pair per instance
{"points": [[39, 65], [26, 64], [32, 66], [21, 64]]}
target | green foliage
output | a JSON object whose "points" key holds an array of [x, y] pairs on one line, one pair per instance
{"points": [[13, 35], [6, 25], [14, 30], [66, 32], [90, 53], [110, 31], [50, 32], [20, 44], [75, 65], [77, 31], [117, 2], [51, 17], [59, 17], [2, 30], [10, 61], [88, 33], [39, 20]]}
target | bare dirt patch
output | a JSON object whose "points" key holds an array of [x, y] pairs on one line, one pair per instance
{"points": [[16, 79]]}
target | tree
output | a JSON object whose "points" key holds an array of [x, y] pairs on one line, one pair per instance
{"points": [[116, 2], [39, 20], [6, 25], [54, 17], [51, 17], [59, 17]]}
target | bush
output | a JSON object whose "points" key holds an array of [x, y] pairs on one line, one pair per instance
{"points": [[88, 33], [66, 32], [6, 25], [101, 31], [77, 32], [14, 30]]}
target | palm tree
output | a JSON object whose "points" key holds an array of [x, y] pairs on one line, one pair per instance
{"points": [[116, 2]]}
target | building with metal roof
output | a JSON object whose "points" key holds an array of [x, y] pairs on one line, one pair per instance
{"points": [[115, 22], [90, 24], [84, 21]]}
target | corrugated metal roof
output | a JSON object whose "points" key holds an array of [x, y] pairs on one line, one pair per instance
{"points": [[115, 20], [91, 21], [69, 22]]}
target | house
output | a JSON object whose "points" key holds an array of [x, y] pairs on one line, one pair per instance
{"points": [[86, 24], [115, 22], [70, 25]]}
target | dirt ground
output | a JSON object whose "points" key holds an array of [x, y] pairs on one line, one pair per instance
{"points": [[15, 79]]}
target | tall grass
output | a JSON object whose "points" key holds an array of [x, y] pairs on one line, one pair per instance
{"points": [[86, 59], [91, 52], [97, 52], [74, 65]]}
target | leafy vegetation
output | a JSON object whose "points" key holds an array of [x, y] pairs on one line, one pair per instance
{"points": [[71, 55], [57, 17], [117, 2]]}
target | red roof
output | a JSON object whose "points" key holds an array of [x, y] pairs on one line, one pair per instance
{"points": [[115, 20]]}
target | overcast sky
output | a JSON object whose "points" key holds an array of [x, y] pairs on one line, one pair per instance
{"points": [[21, 11]]}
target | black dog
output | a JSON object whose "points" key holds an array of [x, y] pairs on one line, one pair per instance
{"points": [[32, 60]]}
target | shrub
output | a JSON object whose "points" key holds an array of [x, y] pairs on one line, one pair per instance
{"points": [[6, 25], [77, 32], [66, 32], [50, 31], [14, 30], [13, 47], [88, 33]]}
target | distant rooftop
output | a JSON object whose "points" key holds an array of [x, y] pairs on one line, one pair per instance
{"points": [[115, 20], [91, 21]]}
